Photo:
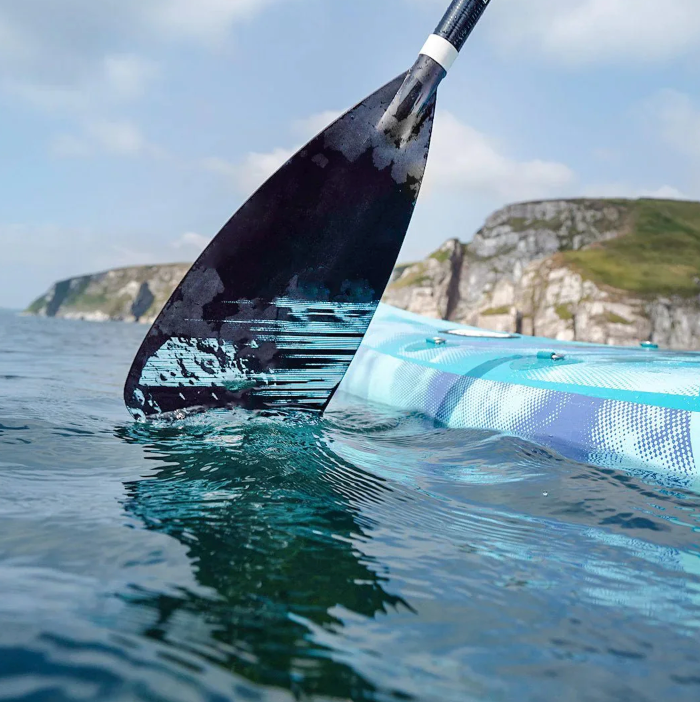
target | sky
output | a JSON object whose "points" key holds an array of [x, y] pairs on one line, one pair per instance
{"points": [[130, 130]]}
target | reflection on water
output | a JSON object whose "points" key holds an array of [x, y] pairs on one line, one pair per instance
{"points": [[337, 551], [370, 555], [271, 535]]}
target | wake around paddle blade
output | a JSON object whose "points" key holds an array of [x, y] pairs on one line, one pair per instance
{"points": [[272, 313]]}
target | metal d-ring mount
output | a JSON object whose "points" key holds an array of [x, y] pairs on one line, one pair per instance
{"points": [[550, 356]]}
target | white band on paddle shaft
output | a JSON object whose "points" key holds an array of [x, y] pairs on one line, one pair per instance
{"points": [[440, 50]]}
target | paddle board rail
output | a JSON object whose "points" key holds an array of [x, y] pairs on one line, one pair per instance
{"points": [[600, 404]]}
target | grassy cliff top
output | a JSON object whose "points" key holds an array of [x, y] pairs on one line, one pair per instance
{"points": [[659, 255]]}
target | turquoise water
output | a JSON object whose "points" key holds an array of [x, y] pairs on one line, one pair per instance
{"points": [[369, 555]]}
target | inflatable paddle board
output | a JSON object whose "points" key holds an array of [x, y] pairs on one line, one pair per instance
{"points": [[605, 405]]}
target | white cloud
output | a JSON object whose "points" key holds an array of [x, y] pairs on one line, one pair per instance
{"points": [[113, 79], [70, 55], [249, 174], [461, 159], [128, 76], [219, 166], [465, 160], [257, 168], [598, 31], [192, 240], [116, 137], [311, 126], [203, 20], [625, 190], [665, 192]]}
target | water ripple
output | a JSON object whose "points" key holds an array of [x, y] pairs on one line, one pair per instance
{"points": [[368, 555]]}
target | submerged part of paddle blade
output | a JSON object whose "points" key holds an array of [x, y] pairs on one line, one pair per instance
{"points": [[272, 313]]}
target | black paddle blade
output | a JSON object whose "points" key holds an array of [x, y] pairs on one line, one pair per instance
{"points": [[272, 313]]}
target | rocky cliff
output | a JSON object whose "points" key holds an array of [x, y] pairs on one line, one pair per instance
{"points": [[606, 271], [133, 294]]}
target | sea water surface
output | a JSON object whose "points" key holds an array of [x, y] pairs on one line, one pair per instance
{"points": [[367, 555]]}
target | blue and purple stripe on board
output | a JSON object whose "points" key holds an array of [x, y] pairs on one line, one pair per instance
{"points": [[593, 429]]}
